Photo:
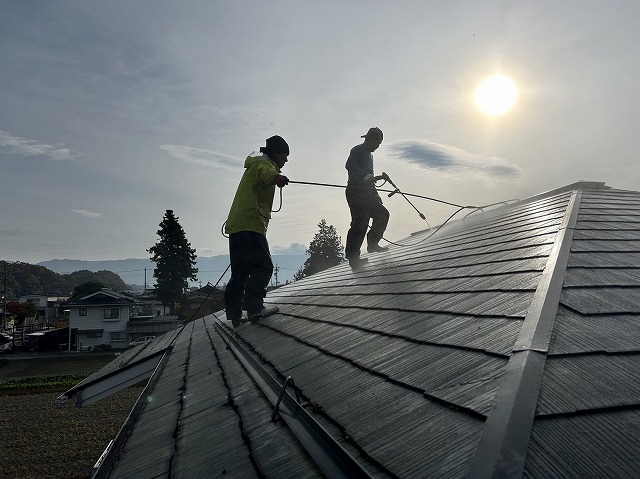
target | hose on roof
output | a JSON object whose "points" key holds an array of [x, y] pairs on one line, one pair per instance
{"points": [[383, 191], [379, 187], [396, 190]]}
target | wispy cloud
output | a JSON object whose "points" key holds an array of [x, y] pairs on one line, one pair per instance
{"points": [[88, 214], [15, 145], [207, 158], [293, 248], [12, 232], [436, 156]]}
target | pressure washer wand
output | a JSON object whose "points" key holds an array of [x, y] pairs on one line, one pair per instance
{"points": [[397, 190]]}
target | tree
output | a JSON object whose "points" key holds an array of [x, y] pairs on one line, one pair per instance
{"points": [[25, 278], [175, 260], [87, 288], [20, 310], [108, 279], [325, 250]]}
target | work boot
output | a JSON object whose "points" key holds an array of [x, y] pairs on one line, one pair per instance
{"points": [[238, 321], [357, 263], [263, 313], [376, 248]]}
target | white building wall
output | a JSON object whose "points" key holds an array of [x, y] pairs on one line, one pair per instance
{"points": [[94, 320], [38, 301]]}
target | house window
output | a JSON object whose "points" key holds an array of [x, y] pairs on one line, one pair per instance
{"points": [[112, 313], [94, 334], [118, 336], [82, 311]]}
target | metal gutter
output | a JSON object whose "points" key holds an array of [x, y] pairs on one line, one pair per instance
{"points": [[329, 455], [502, 450], [103, 467], [85, 394]]}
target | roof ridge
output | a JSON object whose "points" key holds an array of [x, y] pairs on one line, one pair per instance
{"points": [[502, 450]]}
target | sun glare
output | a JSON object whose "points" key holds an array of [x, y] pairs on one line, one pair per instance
{"points": [[496, 95]]}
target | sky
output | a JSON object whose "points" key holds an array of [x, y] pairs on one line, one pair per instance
{"points": [[112, 112]]}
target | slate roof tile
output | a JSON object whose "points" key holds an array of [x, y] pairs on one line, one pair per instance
{"points": [[590, 391], [587, 382], [419, 365], [574, 333], [603, 300], [572, 446]]}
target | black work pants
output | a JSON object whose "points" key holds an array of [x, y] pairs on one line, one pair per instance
{"points": [[251, 269], [364, 204]]}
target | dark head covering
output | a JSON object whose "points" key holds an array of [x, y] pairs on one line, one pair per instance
{"points": [[374, 132], [275, 145]]}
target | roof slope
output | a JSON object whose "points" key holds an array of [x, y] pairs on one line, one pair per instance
{"points": [[507, 344], [588, 413]]}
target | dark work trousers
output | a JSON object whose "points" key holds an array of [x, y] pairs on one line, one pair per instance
{"points": [[251, 269], [364, 204]]}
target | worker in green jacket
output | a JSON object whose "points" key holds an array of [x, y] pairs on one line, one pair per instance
{"points": [[251, 265]]}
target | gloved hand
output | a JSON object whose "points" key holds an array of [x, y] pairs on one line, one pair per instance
{"points": [[281, 180]]}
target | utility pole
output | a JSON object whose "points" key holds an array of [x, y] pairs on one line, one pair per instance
{"points": [[275, 271], [4, 298]]}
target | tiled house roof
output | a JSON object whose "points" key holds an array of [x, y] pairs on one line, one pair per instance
{"points": [[105, 297], [505, 345]]}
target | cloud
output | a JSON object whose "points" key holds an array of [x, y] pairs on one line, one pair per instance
{"points": [[14, 145], [207, 158], [293, 248], [12, 232], [435, 156], [88, 214]]}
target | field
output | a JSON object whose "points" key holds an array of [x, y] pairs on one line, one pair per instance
{"points": [[40, 438]]}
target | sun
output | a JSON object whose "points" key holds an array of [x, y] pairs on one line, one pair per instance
{"points": [[496, 95]]}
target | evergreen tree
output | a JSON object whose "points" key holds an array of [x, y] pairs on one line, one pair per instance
{"points": [[175, 261], [325, 250], [87, 288]]}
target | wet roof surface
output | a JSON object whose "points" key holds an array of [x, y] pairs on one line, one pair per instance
{"points": [[507, 343], [588, 412]]}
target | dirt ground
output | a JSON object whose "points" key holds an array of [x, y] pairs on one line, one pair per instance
{"points": [[40, 438], [21, 368]]}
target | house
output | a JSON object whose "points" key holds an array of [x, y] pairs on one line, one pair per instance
{"points": [[506, 344], [154, 326], [46, 306], [103, 318], [202, 302], [151, 295]]}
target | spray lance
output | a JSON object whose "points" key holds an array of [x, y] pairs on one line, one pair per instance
{"points": [[386, 178]]}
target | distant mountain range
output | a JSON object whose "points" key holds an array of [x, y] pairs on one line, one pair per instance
{"points": [[132, 271]]}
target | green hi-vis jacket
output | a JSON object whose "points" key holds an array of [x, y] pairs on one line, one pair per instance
{"points": [[251, 208]]}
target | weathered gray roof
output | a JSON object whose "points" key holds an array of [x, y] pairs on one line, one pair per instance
{"points": [[505, 345], [106, 297]]}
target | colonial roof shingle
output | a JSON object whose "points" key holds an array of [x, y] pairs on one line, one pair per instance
{"points": [[505, 345]]}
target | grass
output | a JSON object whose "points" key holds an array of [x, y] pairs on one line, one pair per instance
{"points": [[32, 385]]}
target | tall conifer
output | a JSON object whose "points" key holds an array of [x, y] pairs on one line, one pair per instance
{"points": [[175, 261], [325, 250]]}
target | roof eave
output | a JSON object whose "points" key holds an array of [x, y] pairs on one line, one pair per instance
{"points": [[86, 394]]}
